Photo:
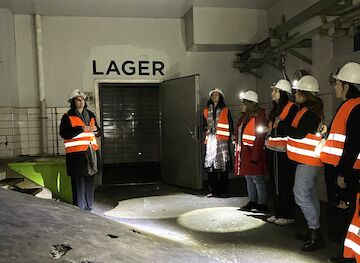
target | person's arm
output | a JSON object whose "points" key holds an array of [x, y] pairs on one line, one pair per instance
{"points": [[66, 129], [204, 124], [99, 131], [231, 123], [309, 123], [351, 146]]}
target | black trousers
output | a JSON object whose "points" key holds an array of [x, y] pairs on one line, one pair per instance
{"points": [[83, 191], [282, 176], [339, 219], [218, 182]]}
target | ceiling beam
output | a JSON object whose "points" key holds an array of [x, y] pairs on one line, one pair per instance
{"points": [[318, 8], [300, 56]]}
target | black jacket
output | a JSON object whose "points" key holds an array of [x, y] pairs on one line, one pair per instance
{"points": [[76, 162], [309, 123], [276, 132], [352, 144]]}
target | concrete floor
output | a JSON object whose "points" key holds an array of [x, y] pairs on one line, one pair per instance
{"points": [[153, 223]]}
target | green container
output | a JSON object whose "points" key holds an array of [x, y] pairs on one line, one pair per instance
{"points": [[49, 173]]}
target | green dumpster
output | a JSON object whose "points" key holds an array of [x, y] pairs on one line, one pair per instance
{"points": [[49, 173]]}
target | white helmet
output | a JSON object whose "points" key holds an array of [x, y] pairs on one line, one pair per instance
{"points": [[350, 72], [308, 83], [216, 90], [251, 96], [77, 93], [283, 84]]}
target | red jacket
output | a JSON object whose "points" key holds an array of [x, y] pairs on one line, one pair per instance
{"points": [[252, 158]]}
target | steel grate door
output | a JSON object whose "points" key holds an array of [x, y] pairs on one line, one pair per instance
{"points": [[131, 122]]}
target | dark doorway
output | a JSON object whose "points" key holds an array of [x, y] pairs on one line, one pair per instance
{"points": [[130, 117]]}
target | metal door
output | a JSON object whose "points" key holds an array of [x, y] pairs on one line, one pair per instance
{"points": [[180, 119]]}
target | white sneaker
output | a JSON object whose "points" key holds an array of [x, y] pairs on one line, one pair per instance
{"points": [[271, 219], [284, 221]]}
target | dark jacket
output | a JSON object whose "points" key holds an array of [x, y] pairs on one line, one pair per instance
{"points": [[275, 132], [76, 162], [352, 144], [309, 123]]}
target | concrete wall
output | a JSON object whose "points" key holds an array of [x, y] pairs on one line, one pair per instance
{"points": [[9, 130], [229, 25], [9, 94], [70, 46], [72, 43]]}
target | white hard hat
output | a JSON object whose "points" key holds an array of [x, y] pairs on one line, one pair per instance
{"points": [[251, 96], [283, 84], [350, 72], [308, 83], [216, 90], [77, 93]]}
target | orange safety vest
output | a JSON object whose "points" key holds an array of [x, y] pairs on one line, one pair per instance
{"points": [[352, 240], [249, 133], [222, 126], [303, 150], [279, 143], [82, 141], [333, 149]]}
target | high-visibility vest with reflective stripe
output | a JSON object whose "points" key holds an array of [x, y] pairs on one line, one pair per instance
{"points": [[280, 142], [222, 127], [82, 141], [333, 149], [303, 150], [249, 133], [352, 240]]}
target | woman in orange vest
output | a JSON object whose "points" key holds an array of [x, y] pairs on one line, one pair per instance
{"points": [[301, 145], [250, 152], [79, 130], [282, 170], [341, 155], [218, 128]]}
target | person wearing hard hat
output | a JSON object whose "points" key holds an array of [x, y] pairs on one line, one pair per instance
{"points": [[301, 145], [341, 155], [218, 128], [79, 130], [281, 169], [250, 153]]}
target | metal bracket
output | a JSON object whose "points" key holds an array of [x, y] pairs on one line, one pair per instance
{"points": [[300, 56]]}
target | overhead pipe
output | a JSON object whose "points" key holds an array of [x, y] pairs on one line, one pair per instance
{"points": [[42, 95], [350, 15]]}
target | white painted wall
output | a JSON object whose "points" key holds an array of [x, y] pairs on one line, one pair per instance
{"points": [[8, 90], [25, 40], [229, 25], [71, 43]]}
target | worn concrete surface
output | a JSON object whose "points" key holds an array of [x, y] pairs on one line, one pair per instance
{"points": [[154, 223]]}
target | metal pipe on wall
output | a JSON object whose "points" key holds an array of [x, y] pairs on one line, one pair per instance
{"points": [[42, 98]]}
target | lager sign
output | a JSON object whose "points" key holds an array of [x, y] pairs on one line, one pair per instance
{"points": [[129, 67]]}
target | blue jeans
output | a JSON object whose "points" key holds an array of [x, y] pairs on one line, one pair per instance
{"points": [[305, 192], [256, 187]]}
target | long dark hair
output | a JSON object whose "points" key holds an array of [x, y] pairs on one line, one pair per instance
{"points": [[278, 106], [353, 91], [72, 104], [252, 108], [221, 103], [313, 103]]}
